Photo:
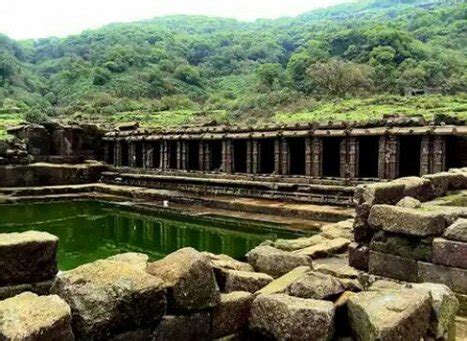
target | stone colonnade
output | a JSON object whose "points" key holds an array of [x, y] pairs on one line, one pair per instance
{"points": [[384, 156]]}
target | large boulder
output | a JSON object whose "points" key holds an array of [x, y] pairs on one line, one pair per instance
{"points": [[139, 260], [457, 231], [189, 276], [390, 314], [39, 318], [231, 315], [275, 262], [108, 297], [246, 281], [283, 317], [27, 257], [415, 222], [317, 286]]}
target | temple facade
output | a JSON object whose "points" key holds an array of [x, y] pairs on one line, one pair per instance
{"points": [[308, 151]]}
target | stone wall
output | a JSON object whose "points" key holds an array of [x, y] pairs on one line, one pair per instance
{"points": [[47, 174], [288, 290], [405, 230]]}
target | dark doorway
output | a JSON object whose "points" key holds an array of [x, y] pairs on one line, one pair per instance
{"points": [[139, 154], [156, 155], [216, 154], [456, 152], [368, 156], [240, 155], [110, 157], [125, 159], [331, 156], [193, 155], [297, 156], [266, 156], [409, 155], [172, 153]]}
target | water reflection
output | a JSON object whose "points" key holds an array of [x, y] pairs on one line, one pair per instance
{"points": [[91, 230]]}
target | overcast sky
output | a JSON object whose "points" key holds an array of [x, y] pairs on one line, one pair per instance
{"points": [[21, 19]]}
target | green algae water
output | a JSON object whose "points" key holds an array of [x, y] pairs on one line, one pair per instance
{"points": [[91, 230]]}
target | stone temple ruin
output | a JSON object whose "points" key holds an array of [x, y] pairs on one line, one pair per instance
{"points": [[383, 205]]}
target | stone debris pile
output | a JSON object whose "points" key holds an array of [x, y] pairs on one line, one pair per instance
{"points": [[192, 295], [414, 229]]}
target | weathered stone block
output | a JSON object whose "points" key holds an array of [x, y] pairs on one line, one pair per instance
{"points": [[297, 244], [196, 326], [450, 253], [416, 222], [282, 317], [336, 266], [390, 315], [402, 245], [109, 297], [317, 286], [409, 202], [275, 262], [27, 257], [189, 277], [444, 308], [404, 269], [246, 281], [279, 285], [221, 264], [325, 249], [343, 229], [457, 231], [39, 318], [231, 315], [359, 256], [383, 193], [454, 278], [416, 187]]}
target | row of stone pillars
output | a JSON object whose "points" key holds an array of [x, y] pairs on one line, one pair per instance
{"points": [[345, 157]]}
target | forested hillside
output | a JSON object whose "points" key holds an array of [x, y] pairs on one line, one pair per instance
{"points": [[346, 62]]}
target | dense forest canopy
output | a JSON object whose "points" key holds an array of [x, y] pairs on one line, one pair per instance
{"points": [[242, 70]]}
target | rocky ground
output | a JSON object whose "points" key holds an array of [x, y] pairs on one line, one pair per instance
{"points": [[299, 289]]}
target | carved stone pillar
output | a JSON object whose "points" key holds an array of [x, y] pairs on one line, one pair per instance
{"points": [[388, 158], [227, 156], [352, 157], [149, 155], [207, 156], [184, 155], [201, 156], [118, 153], [277, 156], [164, 155], [179, 154], [308, 157], [439, 154], [131, 154], [249, 156], [284, 157], [255, 157], [317, 156], [425, 155]]}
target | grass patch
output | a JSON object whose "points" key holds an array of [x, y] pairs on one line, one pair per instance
{"points": [[8, 120], [358, 109]]}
